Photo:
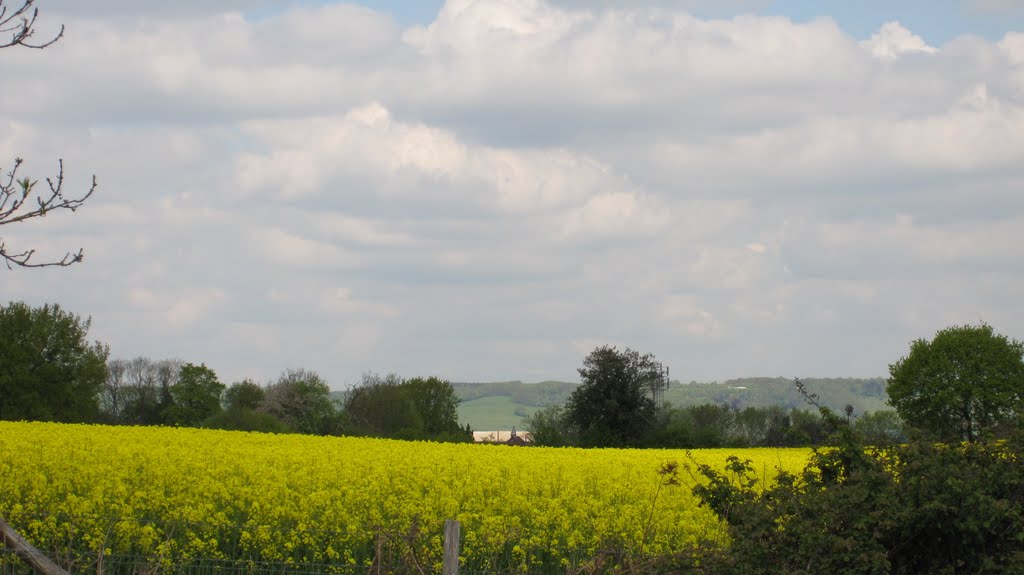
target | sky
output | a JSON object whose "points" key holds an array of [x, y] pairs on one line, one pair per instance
{"points": [[487, 190]]}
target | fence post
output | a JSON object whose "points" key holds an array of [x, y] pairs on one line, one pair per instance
{"points": [[26, 552], [451, 548]]}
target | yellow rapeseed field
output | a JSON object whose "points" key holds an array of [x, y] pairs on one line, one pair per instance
{"points": [[179, 496]]}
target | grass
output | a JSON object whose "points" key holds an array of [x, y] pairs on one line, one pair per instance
{"points": [[494, 413]]}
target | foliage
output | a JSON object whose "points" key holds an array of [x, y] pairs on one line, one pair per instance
{"points": [[244, 395], [168, 496], [549, 427], [243, 419], [613, 405], [379, 407], [19, 197], [436, 403], [919, 507], [48, 369], [301, 400], [883, 427], [195, 396], [418, 408], [965, 381], [710, 426], [713, 424]]}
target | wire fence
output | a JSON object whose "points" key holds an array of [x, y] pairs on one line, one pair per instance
{"points": [[126, 545], [410, 552], [109, 545], [152, 565], [149, 565]]}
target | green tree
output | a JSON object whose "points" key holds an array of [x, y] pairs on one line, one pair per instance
{"points": [[20, 198], [882, 427], [612, 405], [195, 396], [966, 380], [242, 401], [245, 420], [714, 425], [549, 426], [435, 401], [301, 400], [245, 394], [417, 408], [380, 406], [48, 369], [806, 428]]}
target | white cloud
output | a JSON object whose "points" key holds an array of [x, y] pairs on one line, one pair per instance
{"points": [[184, 311], [366, 153], [290, 249], [619, 214], [493, 195], [894, 40]]}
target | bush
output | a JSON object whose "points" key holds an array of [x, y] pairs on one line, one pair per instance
{"points": [[914, 508], [239, 419]]}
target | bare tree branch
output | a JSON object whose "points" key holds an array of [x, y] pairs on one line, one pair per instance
{"points": [[16, 206], [20, 23]]}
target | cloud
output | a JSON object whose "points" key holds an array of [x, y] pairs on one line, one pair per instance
{"points": [[493, 194], [893, 40], [366, 156]]}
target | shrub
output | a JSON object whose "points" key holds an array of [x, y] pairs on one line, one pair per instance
{"points": [[914, 508]]}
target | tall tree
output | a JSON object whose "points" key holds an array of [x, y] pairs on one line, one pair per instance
{"points": [[20, 196], [379, 406], [138, 391], [436, 403], [301, 399], [113, 395], [245, 394], [612, 405], [549, 427], [48, 369], [196, 395], [965, 380]]}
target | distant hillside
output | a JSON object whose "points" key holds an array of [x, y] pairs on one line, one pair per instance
{"points": [[533, 394], [500, 405], [836, 393], [504, 404]]}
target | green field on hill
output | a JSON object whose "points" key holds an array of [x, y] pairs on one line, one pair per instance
{"points": [[494, 413], [501, 405]]}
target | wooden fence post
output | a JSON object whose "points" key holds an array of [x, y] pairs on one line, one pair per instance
{"points": [[450, 566], [26, 552]]}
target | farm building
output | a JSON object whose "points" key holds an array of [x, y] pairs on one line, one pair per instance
{"points": [[511, 437]]}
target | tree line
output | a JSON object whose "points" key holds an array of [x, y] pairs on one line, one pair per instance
{"points": [[711, 425], [966, 383], [617, 405], [49, 371]]}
